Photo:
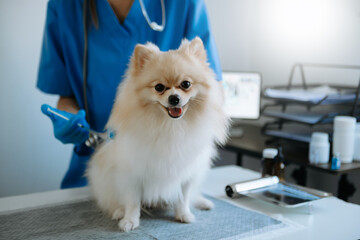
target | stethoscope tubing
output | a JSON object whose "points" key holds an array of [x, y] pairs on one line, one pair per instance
{"points": [[153, 25]]}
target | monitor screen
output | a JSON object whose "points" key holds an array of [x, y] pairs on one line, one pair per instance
{"points": [[242, 94]]}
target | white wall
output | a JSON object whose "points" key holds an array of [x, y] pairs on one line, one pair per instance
{"points": [[31, 160], [271, 35], [251, 35]]}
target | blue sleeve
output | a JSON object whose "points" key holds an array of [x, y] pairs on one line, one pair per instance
{"points": [[52, 77], [198, 25]]}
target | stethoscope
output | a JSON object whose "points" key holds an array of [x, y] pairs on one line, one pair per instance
{"points": [[96, 138], [154, 26]]}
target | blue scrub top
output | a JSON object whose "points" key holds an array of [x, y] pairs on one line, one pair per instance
{"points": [[109, 51]]}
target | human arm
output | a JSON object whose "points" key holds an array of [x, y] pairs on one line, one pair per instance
{"points": [[68, 104], [53, 78], [199, 25]]}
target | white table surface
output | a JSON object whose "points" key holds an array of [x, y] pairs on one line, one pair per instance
{"points": [[331, 218]]}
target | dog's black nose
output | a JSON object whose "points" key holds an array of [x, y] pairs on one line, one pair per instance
{"points": [[174, 99]]}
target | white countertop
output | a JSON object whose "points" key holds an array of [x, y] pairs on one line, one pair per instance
{"points": [[331, 218]]}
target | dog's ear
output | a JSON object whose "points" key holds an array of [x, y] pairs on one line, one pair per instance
{"points": [[195, 47], [142, 54]]}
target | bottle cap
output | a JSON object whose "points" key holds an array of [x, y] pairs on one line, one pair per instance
{"points": [[270, 152], [344, 123], [319, 137]]}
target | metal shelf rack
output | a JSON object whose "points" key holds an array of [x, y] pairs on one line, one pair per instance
{"points": [[313, 114]]}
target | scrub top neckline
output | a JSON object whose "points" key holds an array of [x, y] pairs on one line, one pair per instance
{"points": [[109, 21]]}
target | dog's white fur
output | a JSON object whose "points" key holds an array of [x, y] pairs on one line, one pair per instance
{"points": [[154, 159]]}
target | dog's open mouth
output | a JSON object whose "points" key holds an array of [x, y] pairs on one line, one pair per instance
{"points": [[175, 112]]}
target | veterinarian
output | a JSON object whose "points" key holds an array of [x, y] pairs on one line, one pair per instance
{"points": [[87, 45]]}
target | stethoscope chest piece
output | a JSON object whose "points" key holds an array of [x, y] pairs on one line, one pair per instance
{"points": [[154, 26]]}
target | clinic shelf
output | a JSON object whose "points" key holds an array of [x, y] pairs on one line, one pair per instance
{"points": [[304, 115], [294, 131], [299, 113], [344, 95]]}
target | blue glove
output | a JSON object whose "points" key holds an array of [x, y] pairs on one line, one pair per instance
{"points": [[68, 131]]}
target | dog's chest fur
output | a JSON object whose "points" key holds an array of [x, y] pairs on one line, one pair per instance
{"points": [[163, 164]]}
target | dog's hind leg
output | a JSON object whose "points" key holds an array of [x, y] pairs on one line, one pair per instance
{"points": [[203, 204], [118, 213]]}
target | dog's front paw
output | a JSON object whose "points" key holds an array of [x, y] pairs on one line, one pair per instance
{"points": [[185, 217], [203, 204], [127, 225]]}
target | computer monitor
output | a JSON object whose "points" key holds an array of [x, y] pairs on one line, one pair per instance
{"points": [[242, 97]]}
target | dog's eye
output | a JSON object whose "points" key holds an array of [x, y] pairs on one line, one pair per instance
{"points": [[185, 84], [159, 87]]}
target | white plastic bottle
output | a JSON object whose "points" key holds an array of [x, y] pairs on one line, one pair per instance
{"points": [[344, 136], [357, 143], [319, 149]]}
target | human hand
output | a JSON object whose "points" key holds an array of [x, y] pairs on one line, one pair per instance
{"points": [[68, 127]]}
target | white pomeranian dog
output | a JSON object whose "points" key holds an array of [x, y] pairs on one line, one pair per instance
{"points": [[167, 119]]}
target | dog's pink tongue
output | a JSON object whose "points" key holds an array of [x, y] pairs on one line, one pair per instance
{"points": [[175, 112]]}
